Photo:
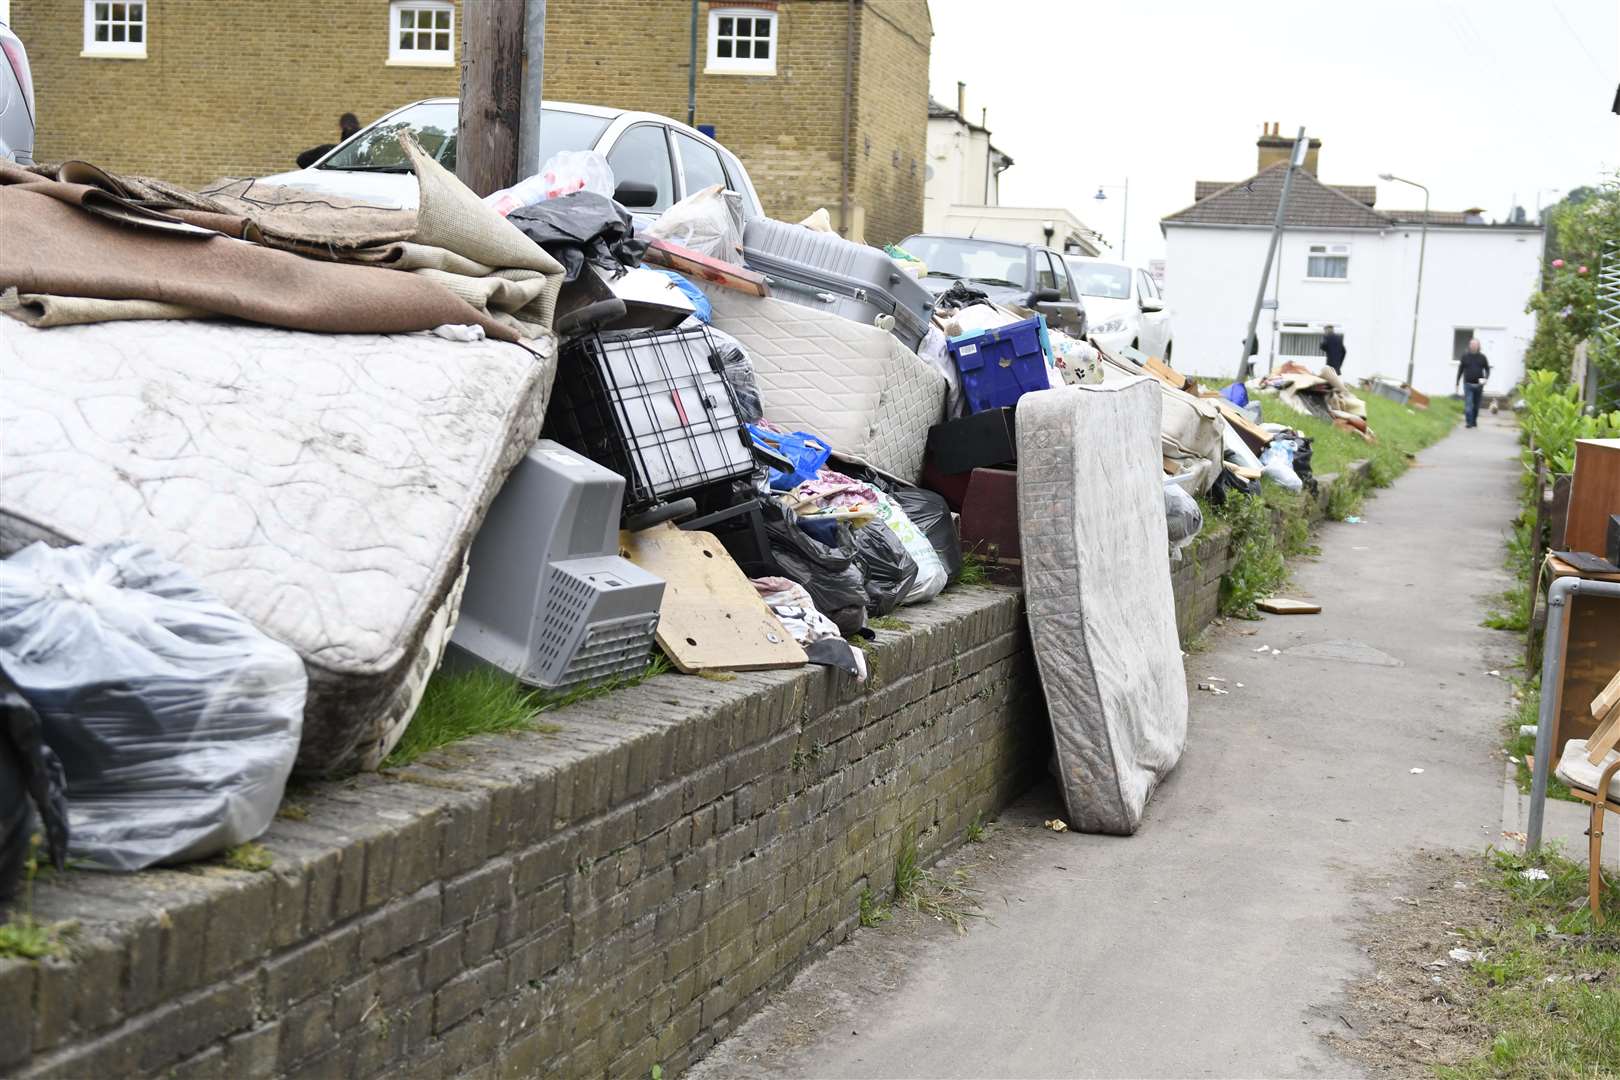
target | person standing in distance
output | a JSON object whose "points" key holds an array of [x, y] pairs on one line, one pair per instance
{"points": [[1472, 371], [1333, 345]]}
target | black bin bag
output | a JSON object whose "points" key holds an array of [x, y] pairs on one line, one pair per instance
{"points": [[29, 772], [176, 720], [929, 511], [830, 574], [890, 572]]}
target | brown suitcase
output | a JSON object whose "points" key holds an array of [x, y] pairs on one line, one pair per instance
{"points": [[990, 516]]}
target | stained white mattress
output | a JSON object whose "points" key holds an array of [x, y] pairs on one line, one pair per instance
{"points": [[325, 486], [1097, 587], [853, 384]]}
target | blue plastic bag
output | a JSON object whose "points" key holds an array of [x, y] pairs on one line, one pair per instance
{"points": [[807, 452], [701, 308], [1237, 394]]}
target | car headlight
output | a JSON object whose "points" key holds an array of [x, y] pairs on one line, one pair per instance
{"points": [[1112, 326]]}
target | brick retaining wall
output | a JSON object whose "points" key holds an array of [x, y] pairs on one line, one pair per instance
{"points": [[593, 900], [617, 893]]}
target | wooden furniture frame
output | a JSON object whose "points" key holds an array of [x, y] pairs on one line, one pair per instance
{"points": [[1606, 708]]}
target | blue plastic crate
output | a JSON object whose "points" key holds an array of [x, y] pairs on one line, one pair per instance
{"points": [[1000, 366]]}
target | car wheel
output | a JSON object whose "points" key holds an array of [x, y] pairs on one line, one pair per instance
{"points": [[1136, 344], [1167, 351]]}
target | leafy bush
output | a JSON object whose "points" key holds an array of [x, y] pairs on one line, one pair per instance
{"points": [[1257, 569], [1553, 421]]}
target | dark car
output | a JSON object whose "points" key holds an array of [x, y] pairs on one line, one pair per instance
{"points": [[1027, 275]]}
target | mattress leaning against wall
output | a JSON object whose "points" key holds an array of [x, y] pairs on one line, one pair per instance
{"points": [[851, 383], [327, 487], [1097, 588]]}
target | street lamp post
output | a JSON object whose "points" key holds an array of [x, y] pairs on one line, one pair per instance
{"points": [[1417, 294], [1125, 215]]}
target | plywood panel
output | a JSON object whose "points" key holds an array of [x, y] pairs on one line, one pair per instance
{"points": [[711, 616], [1594, 494]]}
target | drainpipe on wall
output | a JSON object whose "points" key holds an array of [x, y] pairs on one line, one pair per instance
{"points": [[691, 72], [849, 104]]}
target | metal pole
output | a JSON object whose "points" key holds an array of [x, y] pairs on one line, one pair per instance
{"points": [[1271, 251], [1560, 599], [534, 56], [1125, 219], [691, 71], [1417, 297]]}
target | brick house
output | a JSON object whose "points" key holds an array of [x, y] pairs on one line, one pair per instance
{"points": [[195, 89]]}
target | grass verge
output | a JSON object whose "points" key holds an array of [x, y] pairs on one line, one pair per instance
{"points": [[946, 899], [1257, 570], [1401, 430], [1547, 981], [484, 701]]}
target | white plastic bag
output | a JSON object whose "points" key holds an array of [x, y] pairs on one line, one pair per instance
{"points": [[1183, 518], [1277, 465], [176, 719], [931, 576], [820, 221], [568, 171], [708, 222]]}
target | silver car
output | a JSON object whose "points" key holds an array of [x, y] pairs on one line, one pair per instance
{"points": [[16, 101]]}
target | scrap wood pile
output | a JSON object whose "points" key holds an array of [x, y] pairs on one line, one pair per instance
{"points": [[273, 459]]}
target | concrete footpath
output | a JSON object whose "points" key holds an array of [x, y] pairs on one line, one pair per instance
{"points": [[1219, 939]]}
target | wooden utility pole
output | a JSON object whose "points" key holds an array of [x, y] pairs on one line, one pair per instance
{"points": [[492, 105]]}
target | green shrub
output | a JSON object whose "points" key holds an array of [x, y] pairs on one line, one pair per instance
{"points": [[1257, 569]]}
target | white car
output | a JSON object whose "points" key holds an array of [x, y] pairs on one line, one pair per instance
{"points": [[661, 160], [1123, 305]]}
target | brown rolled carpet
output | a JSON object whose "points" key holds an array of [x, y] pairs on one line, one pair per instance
{"points": [[54, 247]]}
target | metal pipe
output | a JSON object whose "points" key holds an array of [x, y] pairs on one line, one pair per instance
{"points": [[534, 56], [691, 71], [1417, 297], [1294, 162], [1560, 598]]}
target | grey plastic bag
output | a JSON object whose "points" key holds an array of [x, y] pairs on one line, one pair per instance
{"points": [[176, 720]]}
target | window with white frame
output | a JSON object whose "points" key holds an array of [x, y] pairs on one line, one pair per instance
{"points": [[421, 32], [114, 29], [742, 40], [1328, 261]]}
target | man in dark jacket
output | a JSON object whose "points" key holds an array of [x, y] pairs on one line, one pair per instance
{"points": [[348, 124], [1333, 345], [1472, 371]]}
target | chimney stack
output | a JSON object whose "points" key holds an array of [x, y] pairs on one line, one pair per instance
{"points": [[1275, 147], [961, 100]]}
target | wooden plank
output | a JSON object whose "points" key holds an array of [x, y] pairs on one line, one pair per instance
{"points": [[1281, 605], [711, 616], [1594, 495], [1165, 373], [692, 264], [1607, 698], [1605, 737], [1253, 435]]}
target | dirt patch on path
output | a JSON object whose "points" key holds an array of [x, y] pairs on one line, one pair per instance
{"points": [[1416, 1010]]}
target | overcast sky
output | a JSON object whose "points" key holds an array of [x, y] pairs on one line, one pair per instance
{"points": [[1484, 101]]}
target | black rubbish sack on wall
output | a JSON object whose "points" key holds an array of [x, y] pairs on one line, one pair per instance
{"points": [[176, 720], [890, 572], [30, 775], [831, 574], [929, 511]]}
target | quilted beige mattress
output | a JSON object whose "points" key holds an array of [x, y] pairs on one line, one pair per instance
{"points": [[325, 486], [851, 383]]}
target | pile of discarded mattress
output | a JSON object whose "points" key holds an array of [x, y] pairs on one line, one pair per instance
{"points": [[273, 462]]}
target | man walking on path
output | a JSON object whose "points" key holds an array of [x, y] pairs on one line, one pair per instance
{"points": [[1333, 345], [1472, 371]]}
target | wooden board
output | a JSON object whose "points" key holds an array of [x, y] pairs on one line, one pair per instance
{"points": [[688, 262], [1165, 373], [1281, 605], [1607, 698], [711, 616], [1591, 657], [1594, 494], [1255, 437]]}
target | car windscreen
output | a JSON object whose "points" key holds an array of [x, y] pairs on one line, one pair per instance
{"points": [[1103, 279], [377, 148], [978, 260]]}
